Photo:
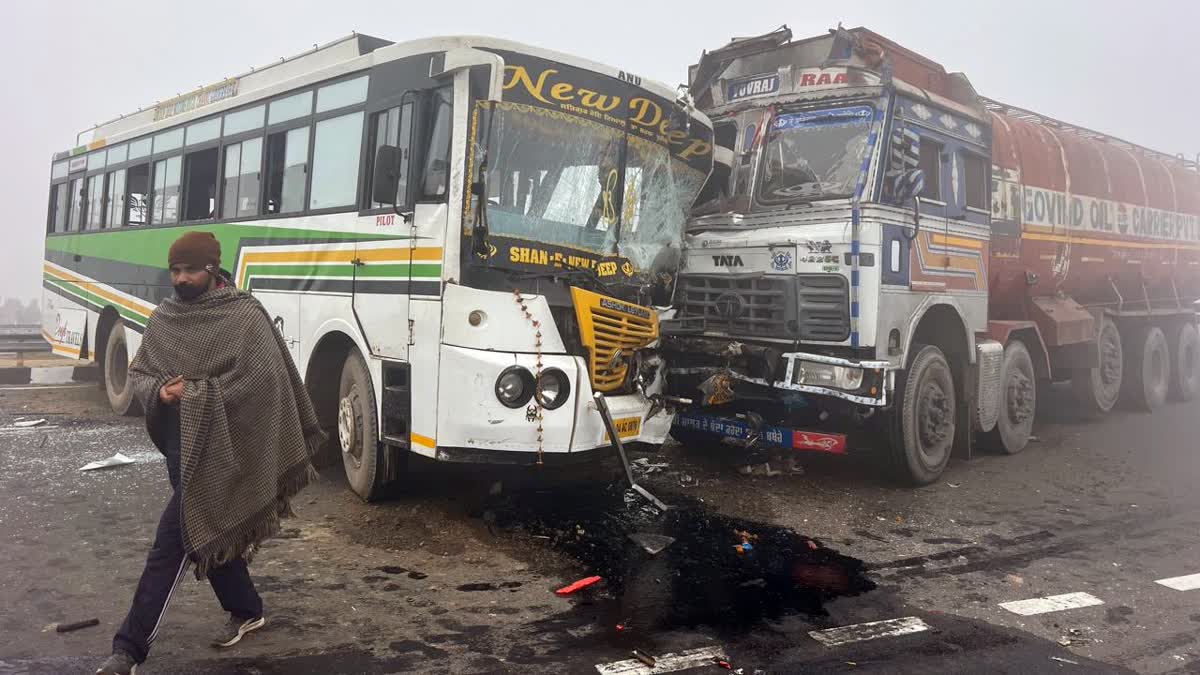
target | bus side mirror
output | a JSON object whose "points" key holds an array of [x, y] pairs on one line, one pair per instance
{"points": [[386, 179]]}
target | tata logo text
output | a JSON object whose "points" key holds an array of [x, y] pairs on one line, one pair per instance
{"points": [[728, 261]]}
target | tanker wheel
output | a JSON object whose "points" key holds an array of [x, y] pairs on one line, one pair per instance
{"points": [[1149, 362], [1185, 377], [1097, 389], [923, 420], [1018, 401]]}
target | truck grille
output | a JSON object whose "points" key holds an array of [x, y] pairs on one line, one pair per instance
{"points": [[611, 330], [806, 306]]}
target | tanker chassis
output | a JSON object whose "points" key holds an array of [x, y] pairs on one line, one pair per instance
{"points": [[882, 253]]}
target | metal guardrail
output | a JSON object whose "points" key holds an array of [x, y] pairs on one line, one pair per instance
{"points": [[22, 340]]}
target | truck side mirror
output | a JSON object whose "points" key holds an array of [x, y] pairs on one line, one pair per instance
{"points": [[909, 185], [386, 179]]}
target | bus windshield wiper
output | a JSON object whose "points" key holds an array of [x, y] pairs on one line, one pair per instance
{"points": [[568, 272]]}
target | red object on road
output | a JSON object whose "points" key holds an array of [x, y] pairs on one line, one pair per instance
{"points": [[581, 584], [811, 440]]}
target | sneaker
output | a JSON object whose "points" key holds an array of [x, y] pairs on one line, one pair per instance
{"points": [[119, 663], [235, 628]]}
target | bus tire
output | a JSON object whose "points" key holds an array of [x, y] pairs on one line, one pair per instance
{"points": [[358, 430], [1018, 401], [1185, 376], [1097, 389], [1149, 372], [924, 418], [116, 372]]}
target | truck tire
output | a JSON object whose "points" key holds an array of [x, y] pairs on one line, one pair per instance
{"points": [[924, 418], [1185, 376], [1097, 389], [1018, 401], [358, 430], [116, 372], [1149, 371]]}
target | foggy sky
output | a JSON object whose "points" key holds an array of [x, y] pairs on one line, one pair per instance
{"points": [[1127, 69]]}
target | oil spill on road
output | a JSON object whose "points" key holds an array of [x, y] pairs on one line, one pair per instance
{"points": [[708, 576]]}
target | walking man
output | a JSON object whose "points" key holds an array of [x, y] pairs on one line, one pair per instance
{"points": [[225, 404]]}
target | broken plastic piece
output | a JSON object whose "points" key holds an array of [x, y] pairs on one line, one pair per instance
{"points": [[578, 585], [25, 424], [116, 460], [644, 658], [652, 543]]}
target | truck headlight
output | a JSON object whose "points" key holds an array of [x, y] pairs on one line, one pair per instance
{"points": [[514, 387], [552, 388], [815, 374]]}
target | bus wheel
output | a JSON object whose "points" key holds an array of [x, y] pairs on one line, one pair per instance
{"points": [[925, 417], [1149, 371], [116, 372], [1097, 389], [358, 430], [1185, 380], [1018, 401]]}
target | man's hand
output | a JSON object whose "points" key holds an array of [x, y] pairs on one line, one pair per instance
{"points": [[171, 392]]}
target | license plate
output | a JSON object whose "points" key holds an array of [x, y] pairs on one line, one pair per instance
{"points": [[627, 427], [768, 435]]}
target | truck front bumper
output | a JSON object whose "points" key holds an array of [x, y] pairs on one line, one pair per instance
{"points": [[865, 383]]}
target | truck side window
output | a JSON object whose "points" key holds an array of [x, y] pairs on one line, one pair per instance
{"points": [[931, 165], [976, 175]]}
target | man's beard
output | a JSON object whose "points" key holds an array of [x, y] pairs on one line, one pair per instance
{"points": [[188, 292]]}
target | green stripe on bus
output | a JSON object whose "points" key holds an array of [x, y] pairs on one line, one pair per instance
{"points": [[95, 301], [148, 246]]}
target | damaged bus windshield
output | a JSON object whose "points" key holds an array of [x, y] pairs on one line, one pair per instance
{"points": [[557, 178], [814, 154]]}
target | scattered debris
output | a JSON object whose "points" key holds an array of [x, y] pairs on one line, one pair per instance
{"points": [[1062, 660], [644, 658], [722, 663], [578, 585], [1014, 579], [116, 460], [68, 627], [1034, 439], [25, 424], [953, 485], [652, 543]]}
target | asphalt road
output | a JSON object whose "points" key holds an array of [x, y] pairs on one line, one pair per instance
{"points": [[449, 579]]}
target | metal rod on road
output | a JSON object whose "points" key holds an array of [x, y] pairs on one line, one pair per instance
{"points": [[606, 415]]}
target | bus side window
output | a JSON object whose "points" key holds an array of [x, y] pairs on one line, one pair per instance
{"points": [[115, 199], [391, 127], [58, 208], [437, 160], [287, 170], [137, 194], [75, 222], [200, 190]]}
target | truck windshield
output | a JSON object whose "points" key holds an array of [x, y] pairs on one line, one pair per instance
{"points": [[557, 178], [814, 154]]}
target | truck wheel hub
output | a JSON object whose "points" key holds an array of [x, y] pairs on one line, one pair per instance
{"points": [[347, 433]]}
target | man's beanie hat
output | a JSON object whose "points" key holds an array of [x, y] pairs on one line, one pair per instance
{"points": [[198, 249]]}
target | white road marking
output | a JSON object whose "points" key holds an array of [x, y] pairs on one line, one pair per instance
{"points": [[45, 387], [1187, 583], [1053, 603], [861, 632], [667, 663]]}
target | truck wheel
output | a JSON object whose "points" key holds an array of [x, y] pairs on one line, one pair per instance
{"points": [[1185, 380], [924, 424], [1150, 370], [1097, 389], [116, 372], [1018, 401], [358, 430]]}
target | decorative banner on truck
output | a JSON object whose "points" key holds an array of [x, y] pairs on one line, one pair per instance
{"points": [[749, 87], [1056, 210]]}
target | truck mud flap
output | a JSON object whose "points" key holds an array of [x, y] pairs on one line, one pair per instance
{"points": [[740, 432]]}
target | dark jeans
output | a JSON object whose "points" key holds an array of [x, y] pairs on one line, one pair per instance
{"points": [[166, 565]]}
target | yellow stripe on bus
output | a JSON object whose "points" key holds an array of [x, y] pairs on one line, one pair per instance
{"points": [[423, 441], [98, 289], [56, 347], [344, 256]]}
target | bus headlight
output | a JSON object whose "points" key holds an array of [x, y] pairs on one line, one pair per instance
{"points": [[815, 374], [552, 389], [514, 387]]}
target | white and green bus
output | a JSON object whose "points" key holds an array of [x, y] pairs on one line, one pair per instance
{"points": [[461, 239]]}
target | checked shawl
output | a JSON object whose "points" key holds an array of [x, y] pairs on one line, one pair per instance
{"points": [[248, 430]]}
